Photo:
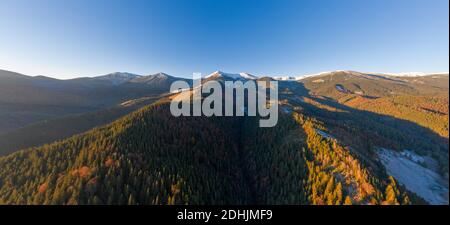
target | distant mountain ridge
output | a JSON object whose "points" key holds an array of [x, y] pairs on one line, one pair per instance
{"points": [[324, 150], [123, 77], [28, 99], [118, 77], [233, 76]]}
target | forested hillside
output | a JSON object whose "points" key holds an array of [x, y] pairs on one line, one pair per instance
{"points": [[147, 158], [331, 146], [422, 100], [48, 131], [151, 157], [26, 100]]}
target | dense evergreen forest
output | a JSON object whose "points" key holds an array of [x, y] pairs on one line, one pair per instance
{"points": [[151, 157], [323, 151]]}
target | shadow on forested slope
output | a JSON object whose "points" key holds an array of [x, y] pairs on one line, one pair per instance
{"points": [[365, 129], [48, 131]]}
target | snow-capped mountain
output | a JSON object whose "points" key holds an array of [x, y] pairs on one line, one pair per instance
{"points": [[155, 79], [233, 76], [248, 76], [284, 78], [405, 74], [300, 77], [410, 74], [117, 77]]}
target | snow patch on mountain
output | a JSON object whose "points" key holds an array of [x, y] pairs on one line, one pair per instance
{"points": [[407, 168], [118, 77], [248, 76], [301, 77], [234, 76], [405, 74], [410, 74], [284, 78]]}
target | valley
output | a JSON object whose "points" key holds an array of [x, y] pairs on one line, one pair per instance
{"points": [[324, 149], [25, 100]]}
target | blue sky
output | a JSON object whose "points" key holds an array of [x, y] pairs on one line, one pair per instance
{"points": [[75, 38]]}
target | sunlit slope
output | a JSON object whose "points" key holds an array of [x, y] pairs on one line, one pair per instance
{"points": [[422, 100], [151, 157]]}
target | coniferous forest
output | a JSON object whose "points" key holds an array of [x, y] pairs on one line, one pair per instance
{"points": [[208, 111], [151, 157], [328, 148]]}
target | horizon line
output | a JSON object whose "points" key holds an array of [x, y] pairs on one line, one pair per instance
{"points": [[406, 74]]}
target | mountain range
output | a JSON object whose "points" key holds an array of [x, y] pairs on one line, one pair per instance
{"points": [[25, 100], [343, 137]]}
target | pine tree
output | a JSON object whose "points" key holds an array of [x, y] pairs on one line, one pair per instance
{"points": [[348, 201], [338, 194]]}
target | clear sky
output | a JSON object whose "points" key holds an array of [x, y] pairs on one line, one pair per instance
{"points": [[74, 38]]}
